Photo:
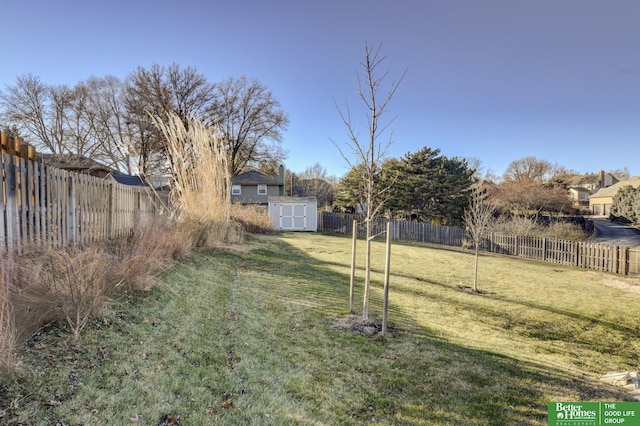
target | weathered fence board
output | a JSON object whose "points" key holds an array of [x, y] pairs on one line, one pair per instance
{"points": [[633, 260], [49, 207], [596, 256]]}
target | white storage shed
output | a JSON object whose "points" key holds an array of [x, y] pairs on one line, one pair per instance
{"points": [[294, 213]]}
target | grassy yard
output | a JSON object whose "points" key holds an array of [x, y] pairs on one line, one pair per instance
{"points": [[244, 337]]}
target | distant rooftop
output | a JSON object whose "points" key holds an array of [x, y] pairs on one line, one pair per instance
{"points": [[612, 190], [254, 177], [73, 162], [127, 179]]}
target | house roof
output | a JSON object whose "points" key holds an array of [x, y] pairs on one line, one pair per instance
{"points": [[254, 177], [73, 162], [612, 190], [127, 179], [579, 180], [580, 189]]}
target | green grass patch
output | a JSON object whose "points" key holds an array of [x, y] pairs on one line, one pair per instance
{"points": [[244, 337]]}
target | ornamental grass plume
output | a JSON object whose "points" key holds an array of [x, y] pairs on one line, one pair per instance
{"points": [[201, 182]]}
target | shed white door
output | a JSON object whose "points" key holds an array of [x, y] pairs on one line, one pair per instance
{"points": [[293, 216]]}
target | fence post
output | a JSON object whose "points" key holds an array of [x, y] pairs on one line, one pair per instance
{"points": [[577, 254], [137, 208], [110, 211], [622, 260], [387, 265], [11, 202], [71, 210]]}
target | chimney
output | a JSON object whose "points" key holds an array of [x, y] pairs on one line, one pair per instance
{"points": [[281, 190], [601, 179]]}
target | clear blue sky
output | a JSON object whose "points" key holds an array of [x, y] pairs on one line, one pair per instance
{"points": [[496, 80]]}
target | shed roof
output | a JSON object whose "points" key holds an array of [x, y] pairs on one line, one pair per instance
{"points": [[127, 179], [277, 199]]}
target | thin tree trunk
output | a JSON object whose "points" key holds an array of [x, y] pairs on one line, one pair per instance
{"points": [[475, 271], [367, 279]]}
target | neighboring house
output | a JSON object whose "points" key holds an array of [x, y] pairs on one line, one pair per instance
{"points": [[580, 196], [592, 181], [581, 187], [126, 179], [254, 187], [76, 163], [600, 202]]}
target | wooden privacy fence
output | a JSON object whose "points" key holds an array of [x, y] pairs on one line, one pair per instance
{"points": [[45, 206], [583, 254], [400, 229], [596, 256]]}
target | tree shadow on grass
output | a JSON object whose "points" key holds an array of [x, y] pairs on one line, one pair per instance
{"points": [[418, 376]]}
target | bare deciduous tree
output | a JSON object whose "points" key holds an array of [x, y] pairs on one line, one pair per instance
{"points": [[531, 198], [106, 104], [528, 169], [251, 121], [37, 111], [477, 218], [370, 151], [158, 92], [315, 181]]}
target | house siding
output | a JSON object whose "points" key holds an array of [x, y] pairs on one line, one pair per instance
{"points": [[249, 194]]}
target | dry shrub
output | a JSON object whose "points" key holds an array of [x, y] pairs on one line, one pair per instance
{"points": [[514, 225], [30, 308], [526, 227], [146, 252], [71, 285], [201, 182], [203, 232], [565, 231], [76, 282], [253, 219]]}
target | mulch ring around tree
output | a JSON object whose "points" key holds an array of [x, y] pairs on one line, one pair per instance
{"points": [[366, 328], [480, 292]]}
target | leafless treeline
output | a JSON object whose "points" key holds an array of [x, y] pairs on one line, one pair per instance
{"points": [[110, 119]]}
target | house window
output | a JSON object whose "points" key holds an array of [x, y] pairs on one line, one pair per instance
{"points": [[236, 189], [262, 189]]}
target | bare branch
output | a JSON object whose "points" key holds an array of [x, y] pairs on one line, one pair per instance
{"points": [[370, 152]]}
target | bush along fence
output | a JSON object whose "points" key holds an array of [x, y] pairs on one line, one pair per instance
{"points": [[49, 207], [596, 256]]}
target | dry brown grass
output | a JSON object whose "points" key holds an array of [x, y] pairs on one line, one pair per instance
{"points": [[146, 252], [8, 334], [253, 219], [75, 284]]}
